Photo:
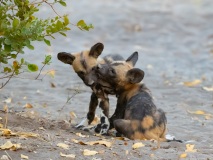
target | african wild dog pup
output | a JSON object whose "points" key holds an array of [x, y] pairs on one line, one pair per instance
{"points": [[136, 116], [83, 64]]}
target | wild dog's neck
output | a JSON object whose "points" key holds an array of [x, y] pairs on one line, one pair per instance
{"points": [[128, 90]]}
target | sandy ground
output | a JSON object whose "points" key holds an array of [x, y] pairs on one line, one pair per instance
{"points": [[175, 44]]}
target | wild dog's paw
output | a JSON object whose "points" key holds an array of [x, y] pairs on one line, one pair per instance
{"points": [[112, 132], [90, 117], [82, 124], [103, 127], [89, 129]]}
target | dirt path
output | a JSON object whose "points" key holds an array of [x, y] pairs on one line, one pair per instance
{"points": [[50, 133]]}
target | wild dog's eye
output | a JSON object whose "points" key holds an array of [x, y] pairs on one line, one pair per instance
{"points": [[93, 68], [81, 73], [112, 71]]}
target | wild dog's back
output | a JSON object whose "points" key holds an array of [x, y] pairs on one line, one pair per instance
{"points": [[136, 115]]}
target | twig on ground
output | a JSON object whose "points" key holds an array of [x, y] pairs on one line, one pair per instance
{"points": [[69, 98], [6, 117], [8, 155]]}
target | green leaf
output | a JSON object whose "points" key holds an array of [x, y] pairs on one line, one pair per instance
{"points": [[62, 33], [63, 3], [66, 20], [13, 56], [7, 41], [15, 22], [30, 46], [81, 23], [22, 60], [7, 69], [7, 48], [32, 67], [47, 42], [47, 59], [59, 25]]}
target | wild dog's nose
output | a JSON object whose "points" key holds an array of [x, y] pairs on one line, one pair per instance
{"points": [[97, 67]]}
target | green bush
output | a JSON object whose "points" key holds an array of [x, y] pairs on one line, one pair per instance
{"points": [[19, 27]]}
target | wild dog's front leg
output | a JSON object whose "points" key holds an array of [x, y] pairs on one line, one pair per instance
{"points": [[118, 114], [101, 128], [104, 105], [92, 107]]}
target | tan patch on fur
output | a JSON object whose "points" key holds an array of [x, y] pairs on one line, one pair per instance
{"points": [[138, 135], [131, 90], [135, 124], [109, 59], [157, 133], [121, 71], [147, 122]]}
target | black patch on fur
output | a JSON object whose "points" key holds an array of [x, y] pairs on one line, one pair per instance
{"points": [[83, 62], [105, 126], [86, 129], [98, 128], [103, 120], [114, 57]]}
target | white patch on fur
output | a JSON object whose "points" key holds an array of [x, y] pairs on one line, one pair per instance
{"points": [[101, 128], [170, 137], [106, 123], [83, 123], [122, 62], [115, 62]]}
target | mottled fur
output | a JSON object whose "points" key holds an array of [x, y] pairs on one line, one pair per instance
{"points": [[83, 64], [136, 115]]}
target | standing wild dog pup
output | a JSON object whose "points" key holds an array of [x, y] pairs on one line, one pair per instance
{"points": [[83, 64], [136, 116]]}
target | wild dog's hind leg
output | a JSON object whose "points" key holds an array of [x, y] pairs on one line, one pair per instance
{"points": [[92, 107], [124, 127], [129, 128]]}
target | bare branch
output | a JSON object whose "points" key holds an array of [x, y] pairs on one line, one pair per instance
{"points": [[40, 71], [4, 84]]}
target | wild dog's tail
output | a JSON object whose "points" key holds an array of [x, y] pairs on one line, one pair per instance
{"points": [[170, 138]]}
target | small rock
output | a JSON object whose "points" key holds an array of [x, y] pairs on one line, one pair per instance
{"points": [[5, 157]]}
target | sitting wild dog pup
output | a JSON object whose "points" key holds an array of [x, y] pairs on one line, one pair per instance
{"points": [[83, 64], [136, 116]]}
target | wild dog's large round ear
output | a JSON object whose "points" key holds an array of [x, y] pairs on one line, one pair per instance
{"points": [[96, 50], [133, 59], [66, 57], [135, 75]]}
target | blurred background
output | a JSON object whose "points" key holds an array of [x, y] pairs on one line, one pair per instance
{"points": [[174, 39]]}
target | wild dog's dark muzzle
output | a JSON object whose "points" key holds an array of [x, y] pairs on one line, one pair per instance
{"points": [[101, 70]]}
